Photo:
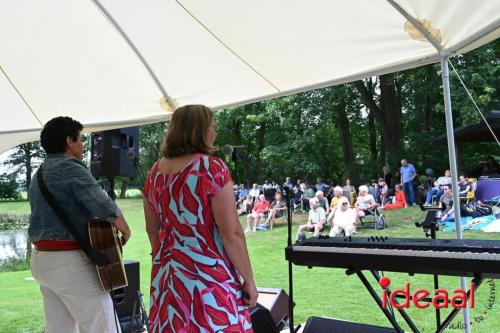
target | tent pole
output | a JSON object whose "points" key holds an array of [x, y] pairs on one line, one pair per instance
{"points": [[445, 74]]}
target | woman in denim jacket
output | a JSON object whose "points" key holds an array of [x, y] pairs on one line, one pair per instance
{"points": [[73, 298]]}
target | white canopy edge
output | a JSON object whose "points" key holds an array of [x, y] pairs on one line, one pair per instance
{"points": [[107, 63]]}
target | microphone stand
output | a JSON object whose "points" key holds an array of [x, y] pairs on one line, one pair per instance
{"points": [[287, 194], [430, 224]]}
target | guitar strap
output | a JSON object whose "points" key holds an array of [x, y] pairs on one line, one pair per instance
{"points": [[98, 258]]}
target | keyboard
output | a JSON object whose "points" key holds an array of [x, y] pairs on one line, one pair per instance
{"points": [[410, 255]]}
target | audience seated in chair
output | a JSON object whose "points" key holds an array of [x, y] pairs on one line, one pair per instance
{"points": [[365, 202], [344, 219], [323, 201], [246, 206], [276, 210], [259, 210], [333, 204], [463, 187], [315, 221], [399, 200], [438, 191]]}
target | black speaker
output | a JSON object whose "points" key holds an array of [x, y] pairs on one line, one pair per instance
{"points": [[262, 320], [276, 300], [326, 325], [114, 153], [128, 300]]}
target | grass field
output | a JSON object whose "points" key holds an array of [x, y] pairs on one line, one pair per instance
{"points": [[317, 291]]}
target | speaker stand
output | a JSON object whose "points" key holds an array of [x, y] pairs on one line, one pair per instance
{"points": [[111, 188]]}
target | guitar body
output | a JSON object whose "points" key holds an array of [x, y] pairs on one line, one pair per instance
{"points": [[103, 238]]}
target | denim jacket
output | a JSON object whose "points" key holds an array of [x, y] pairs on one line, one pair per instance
{"points": [[78, 194]]}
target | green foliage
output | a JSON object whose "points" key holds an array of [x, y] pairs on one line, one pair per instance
{"points": [[24, 159], [9, 187], [10, 221], [150, 139], [15, 265], [301, 135]]}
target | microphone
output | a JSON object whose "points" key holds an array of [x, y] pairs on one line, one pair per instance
{"points": [[228, 149]]}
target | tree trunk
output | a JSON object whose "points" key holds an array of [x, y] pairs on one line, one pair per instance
{"points": [[388, 114], [373, 137], [428, 102], [27, 149], [123, 187], [342, 124], [383, 154]]}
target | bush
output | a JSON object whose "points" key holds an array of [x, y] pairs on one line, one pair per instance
{"points": [[15, 265], [13, 222], [8, 187]]}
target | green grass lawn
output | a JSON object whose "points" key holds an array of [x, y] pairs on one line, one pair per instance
{"points": [[317, 291]]}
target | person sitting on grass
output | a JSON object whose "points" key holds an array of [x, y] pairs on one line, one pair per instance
{"points": [[333, 204], [277, 209], [382, 191], [446, 203], [260, 208], [315, 222], [400, 199], [344, 219]]}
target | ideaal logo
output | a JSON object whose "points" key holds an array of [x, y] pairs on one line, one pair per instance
{"points": [[439, 300], [419, 297], [459, 325]]}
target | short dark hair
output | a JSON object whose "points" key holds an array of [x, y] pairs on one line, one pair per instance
{"points": [[448, 186], [187, 132], [55, 132]]}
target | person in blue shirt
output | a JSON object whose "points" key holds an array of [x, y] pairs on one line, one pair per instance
{"points": [[408, 173], [320, 186]]}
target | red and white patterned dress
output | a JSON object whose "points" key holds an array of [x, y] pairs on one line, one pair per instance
{"points": [[194, 285]]}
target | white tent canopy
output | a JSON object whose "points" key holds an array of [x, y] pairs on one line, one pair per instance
{"points": [[110, 63]]}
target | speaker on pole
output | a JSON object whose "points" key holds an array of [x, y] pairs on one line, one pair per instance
{"points": [[115, 153]]}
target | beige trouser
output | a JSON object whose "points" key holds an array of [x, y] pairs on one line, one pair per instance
{"points": [[336, 230], [73, 298]]}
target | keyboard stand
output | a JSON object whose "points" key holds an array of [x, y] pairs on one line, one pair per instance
{"points": [[440, 327], [477, 280], [389, 315]]}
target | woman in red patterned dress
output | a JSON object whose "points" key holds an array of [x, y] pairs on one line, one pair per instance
{"points": [[198, 246]]}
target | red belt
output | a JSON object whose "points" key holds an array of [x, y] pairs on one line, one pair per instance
{"points": [[56, 245]]}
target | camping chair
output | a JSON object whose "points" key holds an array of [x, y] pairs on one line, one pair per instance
{"points": [[376, 219], [471, 194]]}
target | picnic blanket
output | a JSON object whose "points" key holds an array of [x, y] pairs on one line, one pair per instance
{"points": [[487, 223]]}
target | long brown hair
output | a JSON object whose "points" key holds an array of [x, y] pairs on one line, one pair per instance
{"points": [[187, 132]]}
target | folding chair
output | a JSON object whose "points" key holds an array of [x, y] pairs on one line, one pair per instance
{"points": [[375, 219]]}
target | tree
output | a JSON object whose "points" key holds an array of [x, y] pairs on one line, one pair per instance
{"points": [[24, 159], [8, 187]]}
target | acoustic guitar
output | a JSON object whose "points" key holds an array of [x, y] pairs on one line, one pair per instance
{"points": [[104, 238]]}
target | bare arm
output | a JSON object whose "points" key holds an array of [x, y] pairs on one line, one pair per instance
{"points": [[123, 227], [152, 225], [233, 239]]}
